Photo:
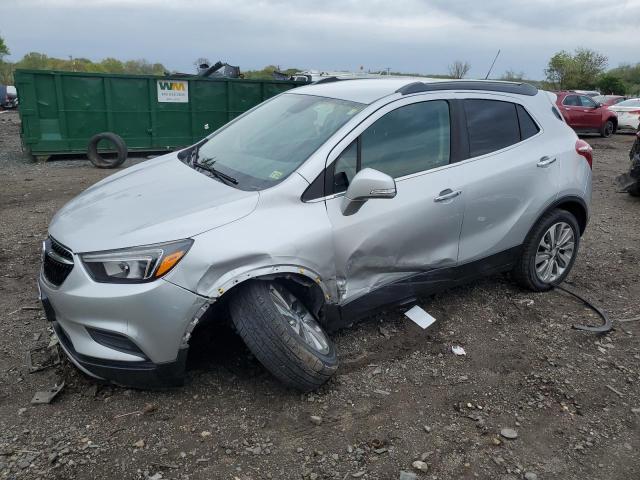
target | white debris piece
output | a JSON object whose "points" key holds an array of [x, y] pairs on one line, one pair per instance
{"points": [[458, 350], [420, 317]]}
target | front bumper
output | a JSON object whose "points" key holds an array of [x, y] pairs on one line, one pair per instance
{"points": [[150, 320]]}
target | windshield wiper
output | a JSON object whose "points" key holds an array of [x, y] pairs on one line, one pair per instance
{"points": [[213, 171]]}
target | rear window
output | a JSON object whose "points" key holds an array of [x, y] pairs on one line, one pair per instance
{"points": [[492, 125], [634, 102]]}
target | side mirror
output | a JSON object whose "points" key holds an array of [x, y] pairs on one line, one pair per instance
{"points": [[367, 184]]}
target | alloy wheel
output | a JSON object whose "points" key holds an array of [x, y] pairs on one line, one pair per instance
{"points": [[299, 319], [555, 251]]}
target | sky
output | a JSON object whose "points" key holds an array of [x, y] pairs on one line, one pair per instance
{"points": [[412, 36]]}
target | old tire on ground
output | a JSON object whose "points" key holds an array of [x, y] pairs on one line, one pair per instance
{"points": [[101, 162], [549, 251], [608, 128], [283, 335]]}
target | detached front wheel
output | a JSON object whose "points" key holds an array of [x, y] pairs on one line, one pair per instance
{"points": [[283, 334]]}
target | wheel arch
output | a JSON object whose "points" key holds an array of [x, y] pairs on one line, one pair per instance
{"points": [[307, 282], [574, 205]]}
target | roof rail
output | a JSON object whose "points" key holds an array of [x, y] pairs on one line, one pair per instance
{"points": [[505, 87]]}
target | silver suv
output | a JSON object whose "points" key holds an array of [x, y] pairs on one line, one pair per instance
{"points": [[309, 211]]}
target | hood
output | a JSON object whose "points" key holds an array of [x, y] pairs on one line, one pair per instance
{"points": [[156, 201]]}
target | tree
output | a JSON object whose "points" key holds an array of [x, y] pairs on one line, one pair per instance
{"points": [[4, 50], [630, 75], [512, 76], [459, 69], [611, 85], [578, 70], [559, 69]]}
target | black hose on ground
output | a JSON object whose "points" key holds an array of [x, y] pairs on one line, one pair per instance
{"points": [[607, 326]]}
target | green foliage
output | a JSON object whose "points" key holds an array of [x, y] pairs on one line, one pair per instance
{"points": [[4, 50], [609, 84], [578, 70], [267, 72], [630, 75], [40, 61]]}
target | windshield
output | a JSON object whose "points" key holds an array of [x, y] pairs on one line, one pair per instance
{"points": [[265, 146]]}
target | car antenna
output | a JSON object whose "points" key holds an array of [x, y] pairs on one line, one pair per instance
{"points": [[492, 64]]}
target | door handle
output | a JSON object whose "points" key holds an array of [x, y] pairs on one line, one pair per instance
{"points": [[546, 161], [447, 194]]}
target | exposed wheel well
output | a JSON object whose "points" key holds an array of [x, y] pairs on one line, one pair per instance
{"points": [[303, 287], [577, 209]]}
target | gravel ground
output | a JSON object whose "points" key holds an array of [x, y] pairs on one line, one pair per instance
{"points": [[400, 395]]}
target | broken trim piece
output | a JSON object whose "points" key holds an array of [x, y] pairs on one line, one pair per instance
{"points": [[607, 326]]}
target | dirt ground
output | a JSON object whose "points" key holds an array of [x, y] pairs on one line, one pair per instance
{"points": [[400, 395]]}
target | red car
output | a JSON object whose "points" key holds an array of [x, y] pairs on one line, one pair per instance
{"points": [[585, 115]]}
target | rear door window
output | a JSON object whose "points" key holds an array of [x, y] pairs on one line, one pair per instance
{"points": [[572, 101], [491, 124]]}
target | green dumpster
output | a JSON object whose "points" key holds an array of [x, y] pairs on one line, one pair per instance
{"points": [[62, 111]]}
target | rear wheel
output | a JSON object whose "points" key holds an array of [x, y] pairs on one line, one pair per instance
{"points": [[549, 251], [283, 334], [607, 129], [634, 190]]}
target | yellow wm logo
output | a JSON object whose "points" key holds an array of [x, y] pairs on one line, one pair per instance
{"points": [[176, 86]]}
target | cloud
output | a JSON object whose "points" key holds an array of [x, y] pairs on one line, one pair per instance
{"points": [[408, 35]]}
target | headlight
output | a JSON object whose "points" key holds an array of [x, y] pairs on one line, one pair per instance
{"points": [[135, 265]]}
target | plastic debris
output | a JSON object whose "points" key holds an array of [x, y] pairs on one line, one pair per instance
{"points": [[48, 395], [41, 358], [458, 350], [420, 317]]}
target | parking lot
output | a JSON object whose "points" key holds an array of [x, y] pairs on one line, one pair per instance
{"points": [[400, 395]]}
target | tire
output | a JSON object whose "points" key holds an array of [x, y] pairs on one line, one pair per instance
{"points": [[608, 128], [116, 141], [274, 342], [525, 273], [634, 190]]}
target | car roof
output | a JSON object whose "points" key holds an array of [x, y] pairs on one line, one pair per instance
{"points": [[368, 90]]}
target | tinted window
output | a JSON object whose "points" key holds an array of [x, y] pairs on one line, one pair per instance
{"points": [[408, 140], [587, 101], [572, 101], [528, 127], [491, 124]]}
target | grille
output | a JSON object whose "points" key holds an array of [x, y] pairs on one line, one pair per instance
{"points": [[57, 262]]}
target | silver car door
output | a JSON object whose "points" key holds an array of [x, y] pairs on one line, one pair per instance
{"points": [[388, 240]]}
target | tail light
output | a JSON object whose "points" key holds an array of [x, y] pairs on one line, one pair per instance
{"points": [[584, 149]]}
